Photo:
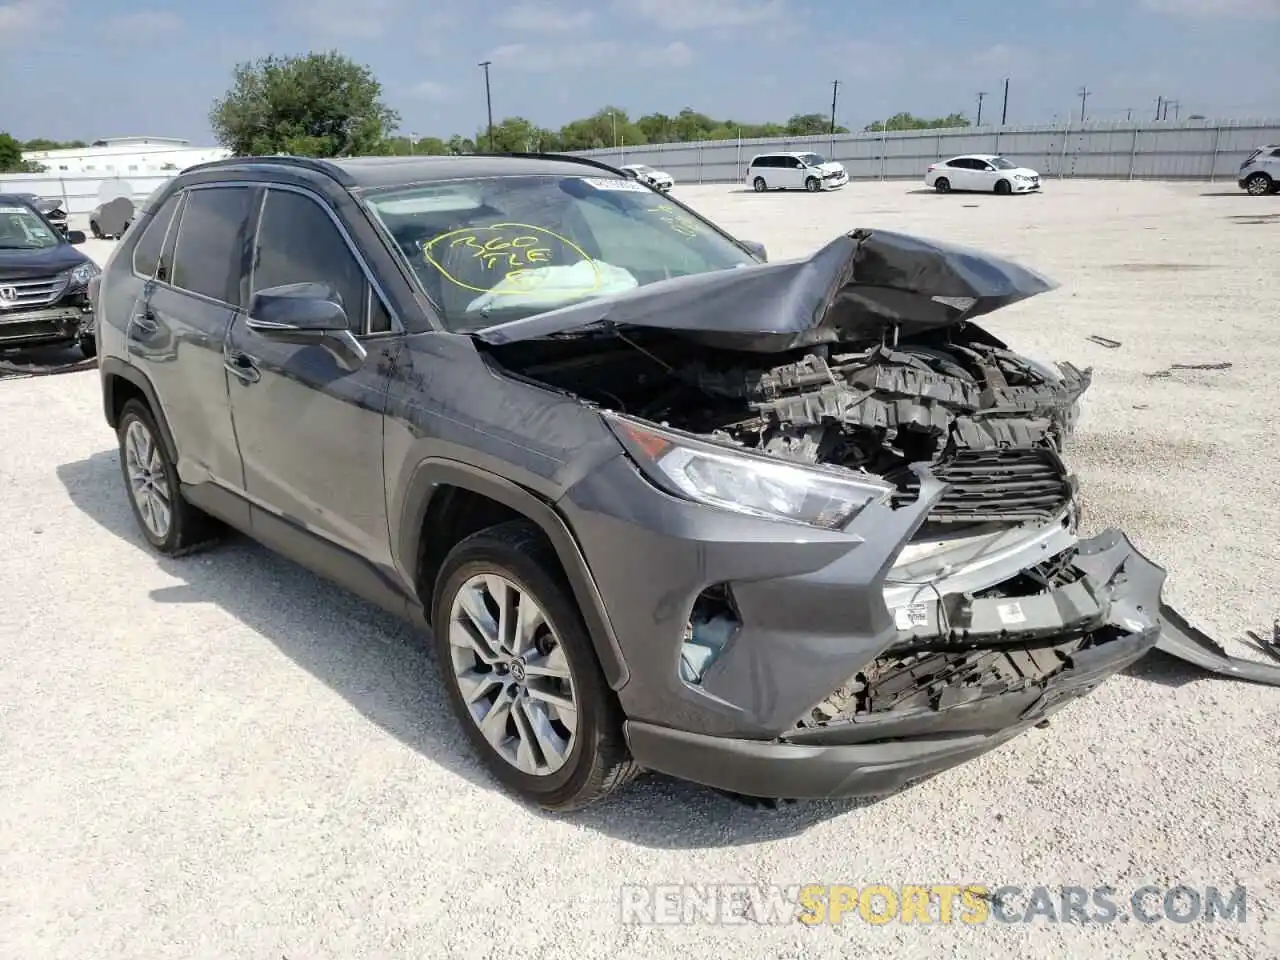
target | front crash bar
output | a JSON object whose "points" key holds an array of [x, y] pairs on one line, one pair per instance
{"points": [[1180, 639]]}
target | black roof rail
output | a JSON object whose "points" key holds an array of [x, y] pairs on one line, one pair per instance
{"points": [[331, 170], [569, 157]]}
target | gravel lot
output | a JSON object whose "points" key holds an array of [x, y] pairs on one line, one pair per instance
{"points": [[224, 756]]}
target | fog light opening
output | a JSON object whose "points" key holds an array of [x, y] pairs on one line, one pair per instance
{"points": [[712, 623]]}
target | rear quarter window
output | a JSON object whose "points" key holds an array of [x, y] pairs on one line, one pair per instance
{"points": [[146, 253]]}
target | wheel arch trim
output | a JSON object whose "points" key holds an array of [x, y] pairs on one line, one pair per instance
{"points": [[113, 367], [435, 472]]}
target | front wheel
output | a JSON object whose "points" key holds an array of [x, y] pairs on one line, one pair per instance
{"points": [[1258, 185], [942, 185], [88, 345], [812, 185], [1003, 188], [760, 185], [521, 673], [95, 229]]}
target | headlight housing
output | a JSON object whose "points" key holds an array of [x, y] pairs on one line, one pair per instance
{"points": [[81, 275], [744, 482]]}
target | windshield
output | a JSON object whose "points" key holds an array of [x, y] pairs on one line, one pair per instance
{"points": [[492, 250], [21, 228], [813, 159], [1000, 163]]}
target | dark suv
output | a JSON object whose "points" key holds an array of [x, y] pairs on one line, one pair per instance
{"points": [[795, 529]]}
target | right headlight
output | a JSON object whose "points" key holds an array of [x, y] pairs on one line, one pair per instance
{"points": [[743, 482]]}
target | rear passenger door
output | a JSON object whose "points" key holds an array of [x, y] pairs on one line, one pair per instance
{"points": [[180, 323], [308, 415]]}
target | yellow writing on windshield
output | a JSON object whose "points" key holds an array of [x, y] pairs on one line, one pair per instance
{"points": [[676, 219], [509, 254]]}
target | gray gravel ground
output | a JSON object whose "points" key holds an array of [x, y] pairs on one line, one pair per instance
{"points": [[224, 756]]}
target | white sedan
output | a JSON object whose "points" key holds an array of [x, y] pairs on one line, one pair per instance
{"points": [[658, 179], [981, 172]]}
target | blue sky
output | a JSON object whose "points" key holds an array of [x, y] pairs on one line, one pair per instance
{"points": [[70, 68]]}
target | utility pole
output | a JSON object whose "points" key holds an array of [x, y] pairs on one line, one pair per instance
{"points": [[488, 99], [982, 94], [1004, 110], [835, 88], [1171, 103], [1159, 104], [1128, 113], [1084, 95]]}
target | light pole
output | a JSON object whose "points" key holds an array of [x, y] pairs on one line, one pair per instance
{"points": [[982, 95], [613, 118], [488, 99]]}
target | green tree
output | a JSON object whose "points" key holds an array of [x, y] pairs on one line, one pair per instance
{"points": [[459, 145], [811, 125], [315, 105], [908, 121], [40, 143], [518, 135], [11, 157]]}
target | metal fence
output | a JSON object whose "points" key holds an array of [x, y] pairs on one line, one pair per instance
{"points": [[80, 194], [1186, 150]]}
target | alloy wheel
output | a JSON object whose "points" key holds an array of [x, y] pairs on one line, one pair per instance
{"points": [[513, 675], [148, 480], [1258, 185]]}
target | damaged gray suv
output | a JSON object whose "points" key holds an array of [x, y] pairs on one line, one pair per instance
{"points": [[790, 530]]}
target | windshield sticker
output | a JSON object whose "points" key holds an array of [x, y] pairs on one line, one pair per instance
{"points": [[508, 255], [677, 220], [613, 183], [15, 210]]}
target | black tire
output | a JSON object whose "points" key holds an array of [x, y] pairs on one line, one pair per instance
{"points": [[759, 185], [1003, 188], [942, 185], [95, 229], [88, 345], [1258, 185], [599, 761], [189, 528], [812, 185]]}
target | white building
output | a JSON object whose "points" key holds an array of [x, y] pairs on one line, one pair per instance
{"points": [[125, 157]]}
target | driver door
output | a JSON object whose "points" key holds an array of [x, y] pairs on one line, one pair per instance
{"points": [[794, 173], [308, 417]]}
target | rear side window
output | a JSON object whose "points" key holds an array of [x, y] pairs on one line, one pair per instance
{"points": [[208, 257], [146, 254], [298, 243]]}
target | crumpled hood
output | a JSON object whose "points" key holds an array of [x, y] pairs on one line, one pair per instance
{"points": [[831, 166], [858, 287]]}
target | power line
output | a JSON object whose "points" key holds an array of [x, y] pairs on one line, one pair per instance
{"points": [[982, 94]]}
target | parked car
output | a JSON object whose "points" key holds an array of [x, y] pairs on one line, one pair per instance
{"points": [[44, 281], [984, 172], [794, 171], [658, 179], [110, 219], [51, 209], [662, 504], [1260, 171]]}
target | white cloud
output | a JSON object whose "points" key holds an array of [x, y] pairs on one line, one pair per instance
{"points": [[709, 14], [344, 19], [544, 16], [144, 25], [1215, 9], [431, 91], [22, 18], [556, 58]]}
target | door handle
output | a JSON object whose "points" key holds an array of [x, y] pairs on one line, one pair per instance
{"points": [[242, 366], [145, 321]]}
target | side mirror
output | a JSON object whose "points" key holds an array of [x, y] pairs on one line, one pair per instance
{"points": [[757, 250], [75, 236], [307, 308]]}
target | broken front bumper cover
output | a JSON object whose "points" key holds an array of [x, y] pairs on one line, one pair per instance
{"points": [[873, 754]]}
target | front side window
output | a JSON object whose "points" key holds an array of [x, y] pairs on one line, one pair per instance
{"points": [[813, 159], [1002, 163], [207, 258], [21, 228], [492, 250], [298, 243]]}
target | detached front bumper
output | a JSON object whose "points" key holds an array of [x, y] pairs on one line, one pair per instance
{"points": [[878, 752]]}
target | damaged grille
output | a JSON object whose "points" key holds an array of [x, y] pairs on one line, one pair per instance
{"points": [[1013, 484]]}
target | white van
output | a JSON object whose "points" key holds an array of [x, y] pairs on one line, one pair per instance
{"points": [[794, 171]]}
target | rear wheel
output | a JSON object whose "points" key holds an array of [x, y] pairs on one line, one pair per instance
{"points": [[1258, 185], [812, 185], [171, 525], [521, 673], [95, 229], [88, 345], [760, 185], [1003, 187], [942, 185]]}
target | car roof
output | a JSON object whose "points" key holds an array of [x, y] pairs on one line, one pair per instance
{"points": [[23, 198], [371, 173]]}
